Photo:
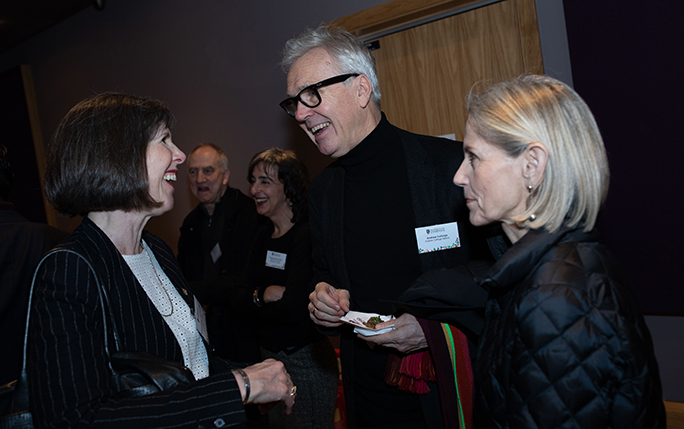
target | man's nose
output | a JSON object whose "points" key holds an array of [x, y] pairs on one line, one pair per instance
{"points": [[302, 111]]}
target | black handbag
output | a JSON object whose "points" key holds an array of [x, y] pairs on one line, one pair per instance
{"points": [[142, 373], [14, 396], [138, 373], [134, 373]]}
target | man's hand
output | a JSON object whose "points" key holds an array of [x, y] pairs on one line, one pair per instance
{"points": [[328, 305], [406, 337]]}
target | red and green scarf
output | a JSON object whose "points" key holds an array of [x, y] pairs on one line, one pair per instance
{"points": [[448, 356]]}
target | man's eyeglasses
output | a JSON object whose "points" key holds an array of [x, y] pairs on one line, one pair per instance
{"points": [[309, 96]]}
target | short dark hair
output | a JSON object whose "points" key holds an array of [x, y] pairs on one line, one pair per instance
{"points": [[292, 173], [97, 160], [6, 175]]}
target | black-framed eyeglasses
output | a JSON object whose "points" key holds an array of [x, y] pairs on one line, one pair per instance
{"points": [[309, 96]]}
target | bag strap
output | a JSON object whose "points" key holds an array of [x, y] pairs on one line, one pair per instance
{"points": [[20, 396]]}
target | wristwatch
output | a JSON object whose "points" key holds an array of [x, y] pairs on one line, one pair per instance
{"points": [[255, 298]]}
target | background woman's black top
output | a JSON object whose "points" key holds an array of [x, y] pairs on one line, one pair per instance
{"points": [[283, 324]]}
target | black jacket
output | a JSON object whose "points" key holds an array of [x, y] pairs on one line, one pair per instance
{"points": [[69, 367], [22, 244], [232, 227], [234, 224], [564, 343], [430, 166]]}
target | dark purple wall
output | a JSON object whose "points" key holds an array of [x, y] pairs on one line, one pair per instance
{"points": [[627, 64], [16, 136], [214, 62]]}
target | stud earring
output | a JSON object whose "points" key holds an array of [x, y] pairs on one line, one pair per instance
{"points": [[532, 217], [529, 188]]}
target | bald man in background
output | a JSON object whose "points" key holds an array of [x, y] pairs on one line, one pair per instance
{"points": [[213, 246]]}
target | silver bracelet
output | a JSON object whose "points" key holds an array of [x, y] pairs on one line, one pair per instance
{"points": [[245, 379]]}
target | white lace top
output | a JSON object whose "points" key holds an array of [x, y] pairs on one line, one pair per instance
{"points": [[171, 305]]}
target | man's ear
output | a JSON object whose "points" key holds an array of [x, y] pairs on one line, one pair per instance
{"points": [[364, 90], [536, 157], [226, 176]]}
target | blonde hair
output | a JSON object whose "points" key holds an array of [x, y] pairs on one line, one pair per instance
{"points": [[512, 115]]}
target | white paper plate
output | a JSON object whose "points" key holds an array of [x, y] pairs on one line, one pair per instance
{"points": [[356, 319]]}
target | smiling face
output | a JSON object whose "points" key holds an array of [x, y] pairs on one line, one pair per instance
{"points": [[269, 194], [493, 182], [344, 117], [163, 158], [208, 181]]}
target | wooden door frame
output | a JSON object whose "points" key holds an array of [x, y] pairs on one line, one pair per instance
{"points": [[38, 145]]}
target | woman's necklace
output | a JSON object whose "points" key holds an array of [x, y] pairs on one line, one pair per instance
{"points": [[154, 268], [167, 295]]}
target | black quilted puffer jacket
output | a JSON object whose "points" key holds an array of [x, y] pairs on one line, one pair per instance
{"points": [[564, 343]]}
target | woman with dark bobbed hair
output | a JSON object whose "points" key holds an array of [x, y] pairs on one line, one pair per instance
{"points": [[112, 160], [564, 342], [275, 293]]}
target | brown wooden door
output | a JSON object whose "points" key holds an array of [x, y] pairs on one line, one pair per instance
{"points": [[426, 72]]}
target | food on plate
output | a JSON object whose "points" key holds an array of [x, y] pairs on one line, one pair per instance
{"points": [[372, 322]]}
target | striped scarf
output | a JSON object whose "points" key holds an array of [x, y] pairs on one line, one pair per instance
{"points": [[448, 356]]}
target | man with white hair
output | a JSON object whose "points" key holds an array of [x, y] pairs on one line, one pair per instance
{"points": [[370, 213]]}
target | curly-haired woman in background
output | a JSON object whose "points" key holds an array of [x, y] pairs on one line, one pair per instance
{"points": [[276, 292]]}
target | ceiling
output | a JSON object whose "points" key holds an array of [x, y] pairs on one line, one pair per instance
{"points": [[22, 19]]}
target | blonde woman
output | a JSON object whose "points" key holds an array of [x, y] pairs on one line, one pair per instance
{"points": [[564, 343]]}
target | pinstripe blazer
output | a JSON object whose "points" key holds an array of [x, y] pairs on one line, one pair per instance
{"points": [[69, 366]]}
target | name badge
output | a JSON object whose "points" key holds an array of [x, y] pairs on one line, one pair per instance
{"points": [[216, 253], [275, 259], [201, 321], [438, 237]]}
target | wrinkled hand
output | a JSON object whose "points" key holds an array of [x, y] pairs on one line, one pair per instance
{"points": [[406, 337], [269, 383], [273, 293], [328, 305]]}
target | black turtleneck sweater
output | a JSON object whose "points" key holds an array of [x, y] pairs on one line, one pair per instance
{"points": [[381, 254], [364, 211], [379, 229]]}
